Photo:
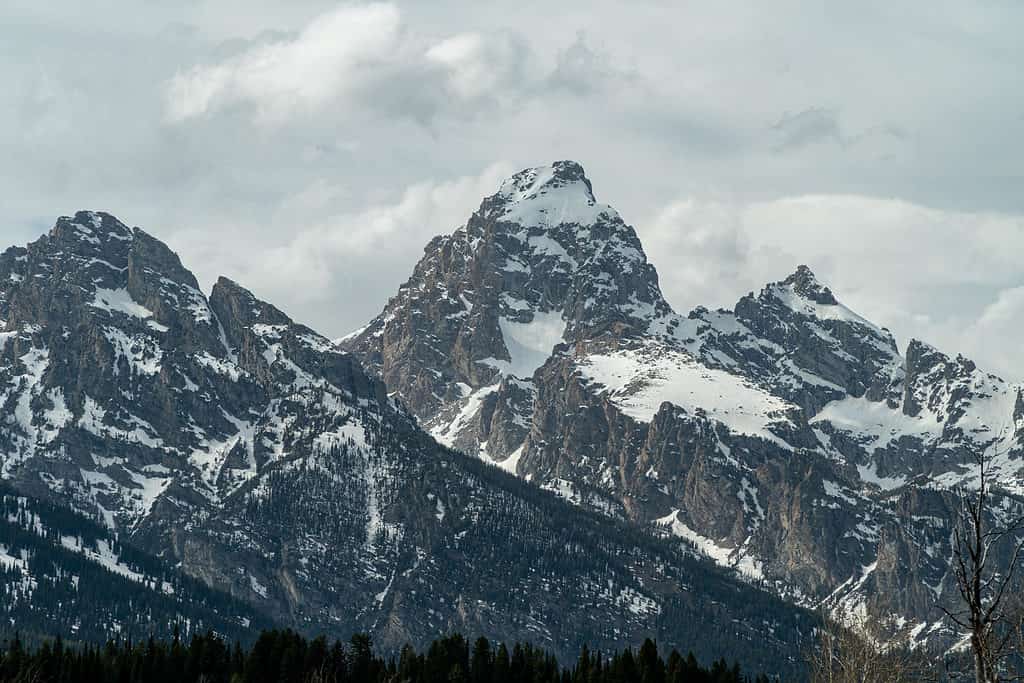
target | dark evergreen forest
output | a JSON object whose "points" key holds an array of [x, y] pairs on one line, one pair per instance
{"points": [[284, 656]]}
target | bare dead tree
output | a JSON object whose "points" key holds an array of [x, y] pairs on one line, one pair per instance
{"points": [[1016, 655], [865, 651], [984, 584], [31, 674], [321, 675]]}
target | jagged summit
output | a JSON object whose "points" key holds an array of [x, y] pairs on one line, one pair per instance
{"points": [[806, 284], [548, 197], [226, 288], [91, 226], [533, 182], [804, 294], [97, 220]]}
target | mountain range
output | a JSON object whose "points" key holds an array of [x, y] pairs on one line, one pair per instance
{"points": [[789, 438], [527, 443], [215, 442]]}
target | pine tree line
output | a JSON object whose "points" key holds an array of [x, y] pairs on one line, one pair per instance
{"points": [[284, 656]]}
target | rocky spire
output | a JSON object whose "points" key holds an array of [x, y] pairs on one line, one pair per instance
{"points": [[806, 284], [533, 183], [91, 227]]}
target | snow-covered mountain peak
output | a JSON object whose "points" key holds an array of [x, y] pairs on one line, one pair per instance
{"points": [[922, 358], [532, 183], [806, 284], [92, 227], [565, 252], [540, 263], [548, 197], [127, 381], [805, 295], [95, 249]]}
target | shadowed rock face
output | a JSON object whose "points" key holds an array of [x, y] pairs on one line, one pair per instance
{"points": [[217, 433], [788, 438]]}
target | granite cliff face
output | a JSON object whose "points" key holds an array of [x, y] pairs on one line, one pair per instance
{"points": [[225, 439], [789, 438]]}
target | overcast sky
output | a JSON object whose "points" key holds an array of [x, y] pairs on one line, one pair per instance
{"points": [[309, 149]]}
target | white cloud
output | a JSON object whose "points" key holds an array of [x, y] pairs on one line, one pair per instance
{"points": [[357, 55], [697, 247], [994, 337], [1005, 310], [330, 56], [477, 65], [349, 261], [808, 127]]}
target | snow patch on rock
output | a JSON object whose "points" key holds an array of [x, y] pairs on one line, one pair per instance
{"points": [[639, 380], [119, 301]]}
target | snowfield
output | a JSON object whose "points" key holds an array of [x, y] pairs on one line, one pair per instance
{"points": [[638, 381]]}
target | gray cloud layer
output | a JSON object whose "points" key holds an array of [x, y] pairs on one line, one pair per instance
{"points": [[311, 148]]}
